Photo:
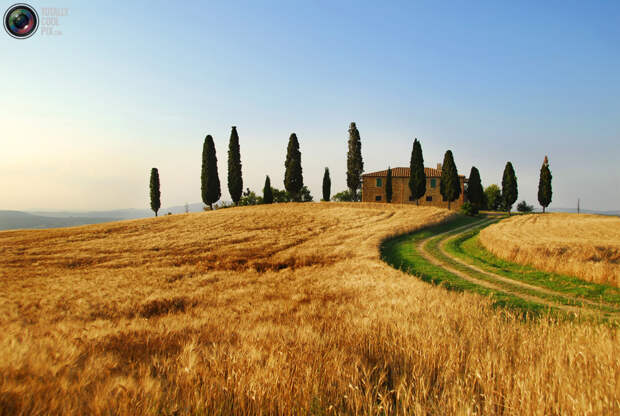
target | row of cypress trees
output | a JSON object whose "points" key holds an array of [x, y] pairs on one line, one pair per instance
{"points": [[293, 175], [210, 183], [510, 191], [293, 178], [449, 185], [209, 179]]}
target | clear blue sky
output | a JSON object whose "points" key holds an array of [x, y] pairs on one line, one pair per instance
{"points": [[126, 87]]}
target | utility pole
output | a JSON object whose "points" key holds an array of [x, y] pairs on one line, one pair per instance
{"points": [[578, 203]]}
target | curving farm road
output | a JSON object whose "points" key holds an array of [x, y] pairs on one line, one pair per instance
{"points": [[432, 249]]}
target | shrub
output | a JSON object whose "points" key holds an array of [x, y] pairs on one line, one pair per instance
{"points": [[469, 209], [250, 198], [492, 197], [306, 196], [221, 205], [284, 196], [524, 207], [280, 195], [347, 196]]}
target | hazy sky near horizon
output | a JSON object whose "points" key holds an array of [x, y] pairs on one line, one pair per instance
{"points": [[133, 85]]}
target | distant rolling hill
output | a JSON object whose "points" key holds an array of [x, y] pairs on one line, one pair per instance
{"points": [[122, 214], [585, 211], [11, 220]]}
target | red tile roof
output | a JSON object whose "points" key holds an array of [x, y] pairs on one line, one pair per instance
{"points": [[405, 172]]}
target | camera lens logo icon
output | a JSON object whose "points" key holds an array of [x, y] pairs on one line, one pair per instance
{"points": [[21, 21]]}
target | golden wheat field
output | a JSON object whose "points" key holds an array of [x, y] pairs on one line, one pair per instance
{"points": [[586, 246], [281, 309]]}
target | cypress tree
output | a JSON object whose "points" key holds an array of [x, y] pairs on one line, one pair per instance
{"points": [[449, 185], [510, 192], [235, 180], [417, 178], [155, 192], [267, 193], [293, 177], [327, 185], [388, 185], [544, 185], [475, 193], [355, 164], [210, 181]]}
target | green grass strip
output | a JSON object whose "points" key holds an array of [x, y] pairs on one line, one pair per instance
{"points": [[468, 248], [401, 252], [433, 248]]}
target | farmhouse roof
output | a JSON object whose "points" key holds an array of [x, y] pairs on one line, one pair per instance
{"points": [[406, 172]]}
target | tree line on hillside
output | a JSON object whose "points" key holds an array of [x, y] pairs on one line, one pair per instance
{"points": [[449, 185], [495, 199], [491, 198], [294, 188], [295, 191]]}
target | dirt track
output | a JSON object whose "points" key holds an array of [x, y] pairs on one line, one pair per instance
{"points": [[471, 269]]}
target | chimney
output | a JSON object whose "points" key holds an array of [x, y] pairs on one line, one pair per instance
{"points": [[438, 166]]}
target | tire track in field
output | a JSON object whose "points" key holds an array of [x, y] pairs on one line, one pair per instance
{"points": [[518, 282], [421, 247]]}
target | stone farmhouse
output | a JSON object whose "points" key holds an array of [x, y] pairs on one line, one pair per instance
{"points": [[373, 188]]}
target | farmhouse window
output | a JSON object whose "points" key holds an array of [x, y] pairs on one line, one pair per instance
{"points": [[379, 184], [429, 199], [378, 198], [433, 183]]}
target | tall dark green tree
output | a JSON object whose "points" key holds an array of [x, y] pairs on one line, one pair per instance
{"points": [[355, 164], [293, 177], [327, 185], [417, 177], [155, 192], [267, 192], [209, 178], [449, 185], [475, 193], [235, 180], [544, 185], [388, 185], [510, 193]]}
